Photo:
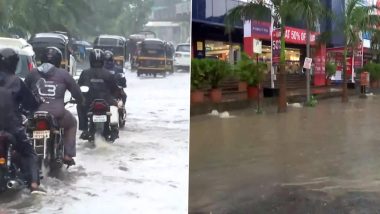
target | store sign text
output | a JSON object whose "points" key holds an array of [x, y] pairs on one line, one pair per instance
{"points": [[293, 35], [261, 30]]}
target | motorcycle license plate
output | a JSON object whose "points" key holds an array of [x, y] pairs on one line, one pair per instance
{"points": [[41, 134], [99, 118]]}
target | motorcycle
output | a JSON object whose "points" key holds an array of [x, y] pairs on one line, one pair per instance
{"points": [[11, 177], [99, 119], [47, 138]]}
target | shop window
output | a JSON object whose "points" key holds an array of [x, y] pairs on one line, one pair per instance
{"points": [[221, 50]]}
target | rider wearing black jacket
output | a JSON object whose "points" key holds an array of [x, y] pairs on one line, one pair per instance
{"points": [[21, 96], [118, 72], [51, 82], [102, 86]]}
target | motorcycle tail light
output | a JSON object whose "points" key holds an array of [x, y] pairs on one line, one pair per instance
{"points": [[2, 161], [99, 107], [42, 125], [3, 153]]}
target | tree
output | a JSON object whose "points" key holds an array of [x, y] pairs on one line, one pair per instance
{"points": [[312, 11], [357, 18], [283, 11], [85, 18]]}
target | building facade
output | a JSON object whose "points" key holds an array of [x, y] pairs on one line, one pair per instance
{"points": [[209, 38], [171, 22]]}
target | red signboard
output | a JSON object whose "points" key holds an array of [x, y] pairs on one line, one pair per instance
{"points": [[298, 36], [364, 78], [261, 30], [276, 47], [358, 58], [348, 66]]}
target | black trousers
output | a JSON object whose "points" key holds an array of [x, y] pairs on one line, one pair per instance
{"points": [[29, 158], [82, 117]]}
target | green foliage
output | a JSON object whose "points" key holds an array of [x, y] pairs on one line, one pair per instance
{"points": [[198, 74], [313, 102], [250, 71], [216, 71], [85, 18], [330, 69], [373, 70]]}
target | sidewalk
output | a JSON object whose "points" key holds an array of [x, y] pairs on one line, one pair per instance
{"points": [[239, 100]]}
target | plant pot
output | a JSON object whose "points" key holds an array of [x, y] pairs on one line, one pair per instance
{"points": [[252, 92], [197, 96], [328, 81], [216, 95], [375, 84], [243, 86]]}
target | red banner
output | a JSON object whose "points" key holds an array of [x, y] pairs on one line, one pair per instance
{"points": [[298, 36], [261, 30], [358, 58], [348, 66], [320, 61], [276, 47]]}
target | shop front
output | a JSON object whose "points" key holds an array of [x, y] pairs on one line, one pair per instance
{"points": [[222, 50], [295, 51], [362, 55]]}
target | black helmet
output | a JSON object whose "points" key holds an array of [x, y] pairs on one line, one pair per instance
{"points": [[96, 58], [53, 56], [8, 60], [108, 55]]}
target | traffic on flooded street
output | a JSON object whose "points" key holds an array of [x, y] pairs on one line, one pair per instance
{"points": [[93, 119]]}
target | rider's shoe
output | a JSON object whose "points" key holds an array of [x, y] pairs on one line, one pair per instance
{"points": [[68, 161], [84, 135], [37, 191]]}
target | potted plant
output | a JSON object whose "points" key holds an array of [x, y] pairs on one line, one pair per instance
{"points": [[253, 73], [374, 73], [198, 78], [330, 69], [241, 73], [216, 71]]}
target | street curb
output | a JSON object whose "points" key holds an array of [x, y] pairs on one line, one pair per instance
{"points": [[207, 107]]}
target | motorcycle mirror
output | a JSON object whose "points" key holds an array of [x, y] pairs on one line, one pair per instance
{"points": [[84, 89]]}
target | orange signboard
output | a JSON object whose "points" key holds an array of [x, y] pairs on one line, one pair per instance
{"points": [[364, 78]]}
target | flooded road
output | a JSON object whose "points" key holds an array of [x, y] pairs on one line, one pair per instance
{"points": [[144, 171], [309, 160]]}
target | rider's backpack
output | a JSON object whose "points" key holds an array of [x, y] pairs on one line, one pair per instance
{"points": [[7, 103]]}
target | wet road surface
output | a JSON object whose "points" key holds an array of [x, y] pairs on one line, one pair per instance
{"points": [[309, 160], [144, 171]]}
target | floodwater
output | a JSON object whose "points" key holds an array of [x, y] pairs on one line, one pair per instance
{"points": [[144, 171], [309, 160]]}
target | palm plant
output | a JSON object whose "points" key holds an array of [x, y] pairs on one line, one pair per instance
{"points": [[281, 11], [357, 18], [312, 10]]}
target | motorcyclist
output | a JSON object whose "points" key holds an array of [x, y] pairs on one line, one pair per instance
{"points": [[50, 82], [11, 116], [118, 72], [102, 86]]}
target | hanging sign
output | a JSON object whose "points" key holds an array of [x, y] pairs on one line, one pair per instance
{"points": [[307, 63]]}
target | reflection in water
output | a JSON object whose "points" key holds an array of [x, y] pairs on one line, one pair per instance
{"points": [[325, 157]]}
